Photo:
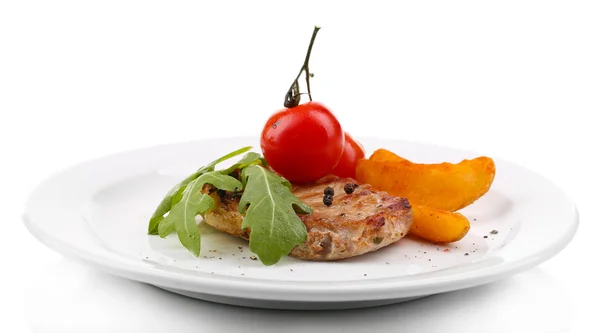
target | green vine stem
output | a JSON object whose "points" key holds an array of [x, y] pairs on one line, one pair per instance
{"points": [[292, 97]]}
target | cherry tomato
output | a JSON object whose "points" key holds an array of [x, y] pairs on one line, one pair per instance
{"points": [[303, 143], [353, 151]]}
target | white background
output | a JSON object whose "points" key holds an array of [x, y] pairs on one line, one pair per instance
{"points": [[81, 79]]}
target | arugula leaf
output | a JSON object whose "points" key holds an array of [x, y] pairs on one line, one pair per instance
{"points": [[194, 202], [168, 226], [175, 194], [211, 166], [270, 209], [248, 159], [167, 203], [269, 206]]}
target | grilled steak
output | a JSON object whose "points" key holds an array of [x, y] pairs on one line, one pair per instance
{"points": [[363, 221]]}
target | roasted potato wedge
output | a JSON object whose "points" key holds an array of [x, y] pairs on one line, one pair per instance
{"points": [[438, 226], [384, 155], [443, 186]]}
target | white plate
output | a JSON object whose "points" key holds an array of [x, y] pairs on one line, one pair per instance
{"points": [[97, 212]]}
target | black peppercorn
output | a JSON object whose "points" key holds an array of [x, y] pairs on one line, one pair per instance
{"points": [[349, 188], [328, 200], [329, 191]]}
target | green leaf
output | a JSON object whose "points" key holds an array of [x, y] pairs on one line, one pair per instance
{"points": [[219, 180], [175, 194], [211, 166], [270, 209], [248, 159], [204, 203], [167, 203], [167, 226], [194, 202]]}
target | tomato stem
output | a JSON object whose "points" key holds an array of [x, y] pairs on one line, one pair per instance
{"points": [[292, 97]]}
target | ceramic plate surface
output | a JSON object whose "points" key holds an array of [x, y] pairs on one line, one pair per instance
{"points": [[97, 212]]}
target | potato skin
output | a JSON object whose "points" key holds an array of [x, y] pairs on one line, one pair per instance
{"points": [[384, 155], [443, 186], [438, 226]]}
